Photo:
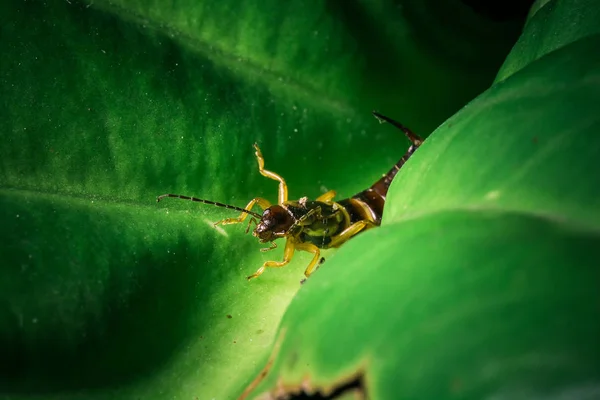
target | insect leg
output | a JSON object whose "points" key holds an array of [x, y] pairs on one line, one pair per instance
{"points": [[325, 197], [273, 246], [288, 253], [301, 221], [252, 221], [350, 231], [264, 204], [311, 248], [283, 190]]}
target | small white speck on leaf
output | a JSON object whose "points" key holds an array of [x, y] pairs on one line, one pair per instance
{"points": [[218, 228], [493, 195]]}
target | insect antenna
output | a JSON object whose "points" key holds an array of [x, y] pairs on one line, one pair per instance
{"points": [[214, 203], [414, 138]]}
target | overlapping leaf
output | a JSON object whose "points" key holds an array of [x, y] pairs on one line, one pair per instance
{"points": [[103, 293]]}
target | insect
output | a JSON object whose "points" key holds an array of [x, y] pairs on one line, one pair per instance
{"points": [[311, 225]]}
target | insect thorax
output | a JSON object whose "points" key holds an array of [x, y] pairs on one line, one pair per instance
{"points": [[317, 221]]}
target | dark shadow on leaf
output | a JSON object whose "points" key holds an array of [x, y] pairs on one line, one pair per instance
{"points": [[97, 306]]}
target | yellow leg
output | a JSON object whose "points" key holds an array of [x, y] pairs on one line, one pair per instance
{"points": [[350, 231], [283, 190], [311, 248], [272, 247], [288, 253], [325, 197], [262, 203], [300, 221]]}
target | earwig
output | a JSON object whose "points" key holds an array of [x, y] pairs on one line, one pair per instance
{"points": [[311, 225]]}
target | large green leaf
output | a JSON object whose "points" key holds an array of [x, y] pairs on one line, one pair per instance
{"points": [[461, 309], [106, 104], [551, 25], [482, 281]]}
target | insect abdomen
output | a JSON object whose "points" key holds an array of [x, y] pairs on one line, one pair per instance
{"points": [[369, 203], [366, 205]]}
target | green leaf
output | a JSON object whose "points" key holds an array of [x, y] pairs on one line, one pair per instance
{"points": [[105, 105], [550, 26], [482, 280], [526, 144], [450, 305]]}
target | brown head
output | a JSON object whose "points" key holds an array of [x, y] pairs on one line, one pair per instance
{"points": [[274, 223]]}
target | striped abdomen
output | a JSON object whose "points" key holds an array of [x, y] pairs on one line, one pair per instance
{"points": [[369, 203]]}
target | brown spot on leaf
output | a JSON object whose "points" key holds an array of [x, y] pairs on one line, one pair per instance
{"points": [[229, 316], [353, 385], [456, 386], [348, 386], [293, 360]]}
